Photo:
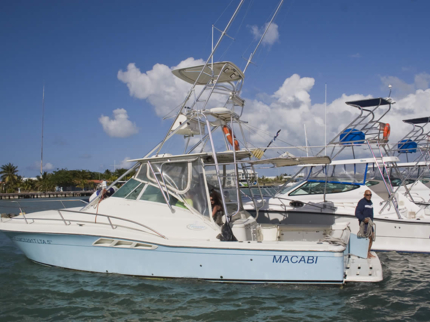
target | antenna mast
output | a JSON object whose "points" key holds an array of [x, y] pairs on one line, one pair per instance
{"points": [[43, 119], [306, 141], [325, 120]]}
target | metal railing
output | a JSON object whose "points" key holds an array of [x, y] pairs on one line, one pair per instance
{"points": [[68, 221]]}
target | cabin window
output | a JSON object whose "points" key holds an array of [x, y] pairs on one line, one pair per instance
{"points": [[197, 193], [154, 194], [175, 175], [372, 183], [135, 193], [289, 188], [125, 190], [142, 175], [396, 181], [314, 188]]}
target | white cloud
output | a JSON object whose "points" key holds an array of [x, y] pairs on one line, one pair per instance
{"points": [[48, 166], [413, 105], [422, 81], [36, 166], [271, 36], [401, 88], [158, 86], [288, 108], [124, 164], [120, 126], [357, 55], [294, 92], [291, 109]]}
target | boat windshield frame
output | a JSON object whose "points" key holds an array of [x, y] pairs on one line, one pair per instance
{"points": [[156, 174]]}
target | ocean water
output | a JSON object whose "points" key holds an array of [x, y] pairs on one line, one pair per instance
{"points": [[32, 292]]}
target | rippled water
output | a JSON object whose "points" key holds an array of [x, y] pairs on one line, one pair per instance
{"points": [[31, 292]]}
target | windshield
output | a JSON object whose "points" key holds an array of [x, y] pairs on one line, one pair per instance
{"points": [[313, 188], [289, 188]]}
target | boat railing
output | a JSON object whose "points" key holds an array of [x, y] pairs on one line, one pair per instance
{"points": [[68, 221]]}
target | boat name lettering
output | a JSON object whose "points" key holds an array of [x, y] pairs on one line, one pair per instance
{"points": [[33, 240], [295, 259]]}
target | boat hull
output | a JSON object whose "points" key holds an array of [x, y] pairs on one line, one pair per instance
{"points": [[391, 235], [79, 252]]}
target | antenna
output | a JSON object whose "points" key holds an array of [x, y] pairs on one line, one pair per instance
{"points": [[43, 119], [325, 120], [306, 141], [389, 86], [223, 33]]}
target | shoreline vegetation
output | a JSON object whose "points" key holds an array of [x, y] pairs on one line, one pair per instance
{"points": [[63, 180], [60, 180]]}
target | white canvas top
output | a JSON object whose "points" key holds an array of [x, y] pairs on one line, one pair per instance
{"points": [[288, 162], [412, 164], [359, 161], [222, 157], [231, 73]]}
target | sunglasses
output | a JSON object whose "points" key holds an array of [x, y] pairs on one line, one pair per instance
{"points": [[368, 194]]}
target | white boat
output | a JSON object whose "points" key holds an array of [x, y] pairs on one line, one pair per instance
{"points": [[160, 223], [410, 175], [329, 194]]}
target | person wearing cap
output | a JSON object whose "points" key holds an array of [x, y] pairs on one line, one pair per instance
{"points": [[363, 212]]}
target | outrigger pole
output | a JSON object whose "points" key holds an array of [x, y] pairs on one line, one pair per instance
{"points": [[261, 39], [201, 72], [43, 121]]}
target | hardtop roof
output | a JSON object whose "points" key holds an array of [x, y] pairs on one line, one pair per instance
{"points": [[370, 102], [419, 120]]}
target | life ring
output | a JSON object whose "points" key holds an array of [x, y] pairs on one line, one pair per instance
{"points": [[386, 133], [228, 135]]}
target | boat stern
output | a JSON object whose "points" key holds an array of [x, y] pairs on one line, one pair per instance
{"points": [[363, 269]]}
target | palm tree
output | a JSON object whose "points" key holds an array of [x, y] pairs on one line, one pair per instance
{"points": [[81, 183], [44, 182], [28, 185], [8, 175]]}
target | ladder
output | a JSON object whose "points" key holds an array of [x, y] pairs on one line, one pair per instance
{"points": [[391, 194], [248, 177]]}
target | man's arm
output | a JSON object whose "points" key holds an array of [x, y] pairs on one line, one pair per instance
{"points": [[359, 211]]}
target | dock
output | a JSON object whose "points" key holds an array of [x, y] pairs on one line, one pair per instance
{"points": [[53, 194]]}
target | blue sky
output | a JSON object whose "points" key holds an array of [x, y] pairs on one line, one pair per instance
{"points": [[78, 48]]}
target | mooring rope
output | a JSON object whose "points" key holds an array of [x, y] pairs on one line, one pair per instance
{"points": [[366, 230]]}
